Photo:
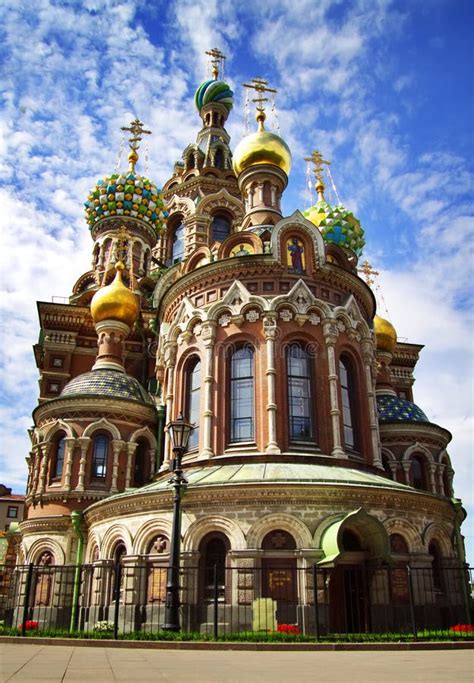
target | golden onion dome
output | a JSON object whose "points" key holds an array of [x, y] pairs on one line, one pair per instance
{"points": [[385, 335], [261, 147], [115, 302]]}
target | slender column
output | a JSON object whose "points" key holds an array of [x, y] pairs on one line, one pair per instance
{"points": [[406, 469], [330, 338], [170, 363], [431, 472], [45, 449], [440, 472], [117, 448], [209, 337], [270, 331], [131, 448], [35, 469], [83, 442], [394, 468], [370, 379], [29, 461], [68, 453]]}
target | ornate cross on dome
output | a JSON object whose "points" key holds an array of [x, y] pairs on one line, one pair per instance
{"points": [[217, 61], [137, 132], [260, 86], [318, 162], [367, 270]]}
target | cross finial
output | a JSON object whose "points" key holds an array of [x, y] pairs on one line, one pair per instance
{"points": [[217, 61], [137, 132], [261, 87], [369, 273], [318, 166]]}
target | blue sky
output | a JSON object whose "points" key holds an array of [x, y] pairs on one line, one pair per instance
{"points": [[382, 88]]}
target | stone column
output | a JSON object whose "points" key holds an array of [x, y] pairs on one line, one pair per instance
{"points": [[431, 474], [208, 333], [35, 465], [117, 446], [440, 472], [68, 453], [131, 448], [370, 379], [45, 449], [394, 468], [406, 464], [270, 331], [330, 337], [83, 442], [170, 364]]}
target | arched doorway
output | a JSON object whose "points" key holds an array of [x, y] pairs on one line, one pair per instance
{"points": [[213, 550], [348, 591], [279, 574]]}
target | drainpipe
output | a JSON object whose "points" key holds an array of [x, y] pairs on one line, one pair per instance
{"points": [[160, 436], [459, 517], [76, 521]]}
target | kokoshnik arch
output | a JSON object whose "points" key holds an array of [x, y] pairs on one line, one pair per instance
{"points": [[203, 299]]}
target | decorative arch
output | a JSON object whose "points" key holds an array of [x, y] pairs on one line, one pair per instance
{"points": [[41, 545], [236, 239], [146, 433], [221, 200], [236, 297], [297, 221], [104, 425], [93, 542], [147, 532], [442, 534], [60, 426], [396, 525], [301, 299], [194, 261], [115, 534], [197, 530], [417, 448], [284, 521], [181, 205]]}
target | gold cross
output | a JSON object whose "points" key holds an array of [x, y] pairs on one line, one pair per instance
{"points": [[137, 131], [217, 60], [318, 164], [261, 87], [367, 270]]}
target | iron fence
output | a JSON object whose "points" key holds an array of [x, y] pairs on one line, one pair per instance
{"points": [[217, 601]]}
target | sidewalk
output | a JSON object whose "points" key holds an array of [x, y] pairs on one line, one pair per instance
{"points": [[26, 663]]}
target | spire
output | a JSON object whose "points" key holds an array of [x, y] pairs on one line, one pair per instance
{"points": [[217, 61], [318, 169], [137, 132], [261, 87]]}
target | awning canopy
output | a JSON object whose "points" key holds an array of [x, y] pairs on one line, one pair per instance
{"points": [[373, 535]]}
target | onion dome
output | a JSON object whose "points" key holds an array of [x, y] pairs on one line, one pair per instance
{"points": [[126, 194], [261, 147], [109, 383], [337, 225], [395, 409], [385, 335], [213, 91], [115, 302]]}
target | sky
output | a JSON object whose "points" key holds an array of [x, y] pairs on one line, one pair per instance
{"points": [[382, 87]]}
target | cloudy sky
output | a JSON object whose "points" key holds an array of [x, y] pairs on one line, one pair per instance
{"points": [[383, 88]]}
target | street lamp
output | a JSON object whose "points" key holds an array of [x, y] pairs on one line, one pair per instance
{"points": [[179, 432]]}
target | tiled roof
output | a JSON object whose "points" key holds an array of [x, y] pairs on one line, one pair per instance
{"points": [[394, 409], [103, 382]]}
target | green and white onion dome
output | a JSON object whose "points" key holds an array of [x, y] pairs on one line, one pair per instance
{"points": [[337, 226], [126, 194], [213, 91]]}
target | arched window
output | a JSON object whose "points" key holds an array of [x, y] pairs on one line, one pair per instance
{"points": [[220, 227], [386, 465], [219, 159], [300, 404], [436, 565], [418, 473], [158, 548], [178, 243], [119, 553], [242, 395], [278, 540], [346, 378], [99, 456], [213, 549], [59, 457], [193, 394], [44, 579], [140, 467], [398, 545]]}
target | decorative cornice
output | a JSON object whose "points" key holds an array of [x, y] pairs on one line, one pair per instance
{"points": [[64, 407]]}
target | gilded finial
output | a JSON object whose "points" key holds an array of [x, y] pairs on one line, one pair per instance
{"points": [[137, 132], [318, 168], [261, 87], [217, 61], [368, 272]]}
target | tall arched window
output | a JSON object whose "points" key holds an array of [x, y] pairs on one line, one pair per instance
{"points": [[140, 469], [220, 227], [418, 473], [242, 395], [349, 416], [213, 549], [300, 404], [99, 456], [219, 159], [59, 457], [178, 243], [398, 545], [193, 394], [386, 465]]}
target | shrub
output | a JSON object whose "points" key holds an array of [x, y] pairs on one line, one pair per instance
{"points": [[30, 625], [288, 628], [103, 626]]}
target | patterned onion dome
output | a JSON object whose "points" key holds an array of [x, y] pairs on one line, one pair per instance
{"points": [[213, 91], [337, 225], [109, 383], [394, 409], [126, 195], [261, 147], [115, 302], [385, 335]]}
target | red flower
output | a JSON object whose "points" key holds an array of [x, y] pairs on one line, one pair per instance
{"points": [[30, 625], [462, 627], [288, 628]]}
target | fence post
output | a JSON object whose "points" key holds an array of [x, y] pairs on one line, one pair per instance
{"points": [[117, 579], [26, 604], [215, 603], [315, 603], [412, 602]]}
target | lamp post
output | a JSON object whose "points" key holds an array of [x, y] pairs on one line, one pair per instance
{"points": [[179, 432]]}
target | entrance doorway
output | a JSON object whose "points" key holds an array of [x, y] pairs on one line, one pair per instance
{"points": [[279, 574], [348, 599]]}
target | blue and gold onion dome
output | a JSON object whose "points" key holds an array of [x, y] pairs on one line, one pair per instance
{"points": [[213, 91], [126, 194], [337, 225], [392, 408]]}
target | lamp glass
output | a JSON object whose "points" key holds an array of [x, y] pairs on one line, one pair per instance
{"points": [[180, 431]]}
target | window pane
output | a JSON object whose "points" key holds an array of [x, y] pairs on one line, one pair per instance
{"points": [[242, 395], [59, 464], [220, 228], [193, 401], [178, 243], [299, 394], [99, 458], [347, 397]]}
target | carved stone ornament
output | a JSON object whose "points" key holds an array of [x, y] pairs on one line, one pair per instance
{"points": [[224, 320], [286, 315], [252, 316]]}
